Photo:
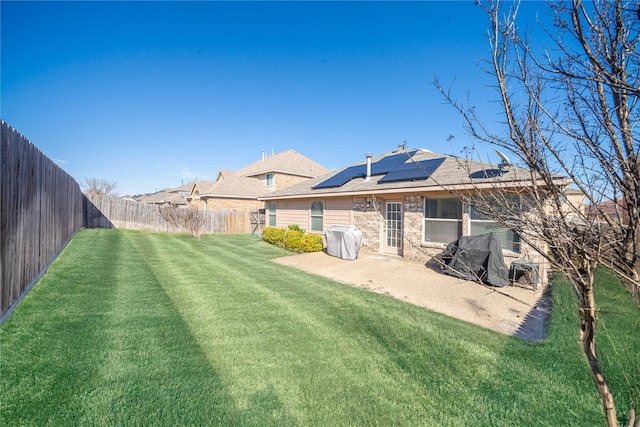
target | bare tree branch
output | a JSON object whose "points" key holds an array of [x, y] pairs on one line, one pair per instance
{"points": [[573, 113], [189, 220], [100, 187]]}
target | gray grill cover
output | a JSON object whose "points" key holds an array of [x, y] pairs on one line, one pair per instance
{"points": [[476, 258], [343, 241]]}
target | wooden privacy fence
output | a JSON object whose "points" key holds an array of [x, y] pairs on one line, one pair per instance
{"points": [[41, 208], [111, 212]]}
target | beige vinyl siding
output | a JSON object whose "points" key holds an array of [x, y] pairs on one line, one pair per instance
{"points": [[293, 212], [338, 212]]}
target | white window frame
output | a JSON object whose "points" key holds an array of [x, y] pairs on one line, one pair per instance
{"points": [[448, 221], [316, 216], [272, 214], [512, 245], [270, 180], [394, 227]]}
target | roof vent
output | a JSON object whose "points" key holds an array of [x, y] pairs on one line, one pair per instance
{"points": [[368, 177]]}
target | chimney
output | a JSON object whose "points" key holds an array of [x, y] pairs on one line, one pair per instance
{"points": [[368, 177], [263, 155]]}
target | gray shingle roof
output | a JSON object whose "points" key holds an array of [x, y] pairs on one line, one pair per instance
{"points": [[224, 173], [453, 173], [232, 186], [183, 188], [289, 161], [162, 197]]}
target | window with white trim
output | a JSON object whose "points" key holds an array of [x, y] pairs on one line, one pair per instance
{"points": [[269, 180], [480, 224], [271, 212], [442, 219], [317, 216]]}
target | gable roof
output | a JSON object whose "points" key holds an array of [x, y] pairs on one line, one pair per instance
{"points": [[231, 187], [163, 197], [183, 188], [224, 173], [406, 171], [289, 162]]}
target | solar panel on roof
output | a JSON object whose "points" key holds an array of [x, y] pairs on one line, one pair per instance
{"points": [[380, 167], [412, 171], [488, 173], [342, 177], [389, 163]]}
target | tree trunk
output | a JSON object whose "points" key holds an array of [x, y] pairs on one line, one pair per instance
{"points": [[587, 336]]}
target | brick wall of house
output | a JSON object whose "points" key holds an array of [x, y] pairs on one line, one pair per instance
{"points": [[614, 209], [368, 218], [240, 205], [281, 180], [415, 250], [413, 218], [367, 214], [196, 203]]}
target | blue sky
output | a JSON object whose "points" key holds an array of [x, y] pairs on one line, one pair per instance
{"points": [[155, 94]]}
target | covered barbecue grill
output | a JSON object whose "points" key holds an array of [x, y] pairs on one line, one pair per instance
{"points": [[343, 241], [477, 258]]}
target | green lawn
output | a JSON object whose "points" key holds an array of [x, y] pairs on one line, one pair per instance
{"points": [[132, 328]]}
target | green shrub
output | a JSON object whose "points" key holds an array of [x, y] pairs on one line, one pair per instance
{"points": [[273, 235], [292, 238], [295, 227], [311, 243]]}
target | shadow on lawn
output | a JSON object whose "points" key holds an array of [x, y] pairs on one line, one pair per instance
{"points": [[212, 404], [117, 350], [535, 326]]}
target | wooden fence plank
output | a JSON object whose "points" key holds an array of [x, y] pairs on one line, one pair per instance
{"points": [[106, 212], [42, 207]]}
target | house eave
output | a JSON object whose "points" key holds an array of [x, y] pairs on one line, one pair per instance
{"points": [[405, 190], [227, 196], [284, 172]]}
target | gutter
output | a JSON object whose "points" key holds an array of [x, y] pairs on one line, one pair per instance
{"points": [[284, 172], [229, 196], [434, 188]]}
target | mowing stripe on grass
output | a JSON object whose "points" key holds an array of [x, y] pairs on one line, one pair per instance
{"points": [[263, 306], [141, 328], [262, 320], [112, 349]]}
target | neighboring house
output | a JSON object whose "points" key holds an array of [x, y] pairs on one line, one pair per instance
{"points": [[224, 173], [168, 197], [241, 189], [404, 203], [282, 170], [164, 198], [615, 209], [235, 192], [575, 199]]}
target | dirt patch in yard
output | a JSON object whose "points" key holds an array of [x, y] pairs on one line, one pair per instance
{"points": [[513, 310]]}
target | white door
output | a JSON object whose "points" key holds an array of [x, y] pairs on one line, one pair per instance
{"points": [[393, 232]]}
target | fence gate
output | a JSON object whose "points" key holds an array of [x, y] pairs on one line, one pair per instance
{"points": [[257, 221]]}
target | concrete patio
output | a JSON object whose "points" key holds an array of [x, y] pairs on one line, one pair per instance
{"points": [[514, 310]]}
